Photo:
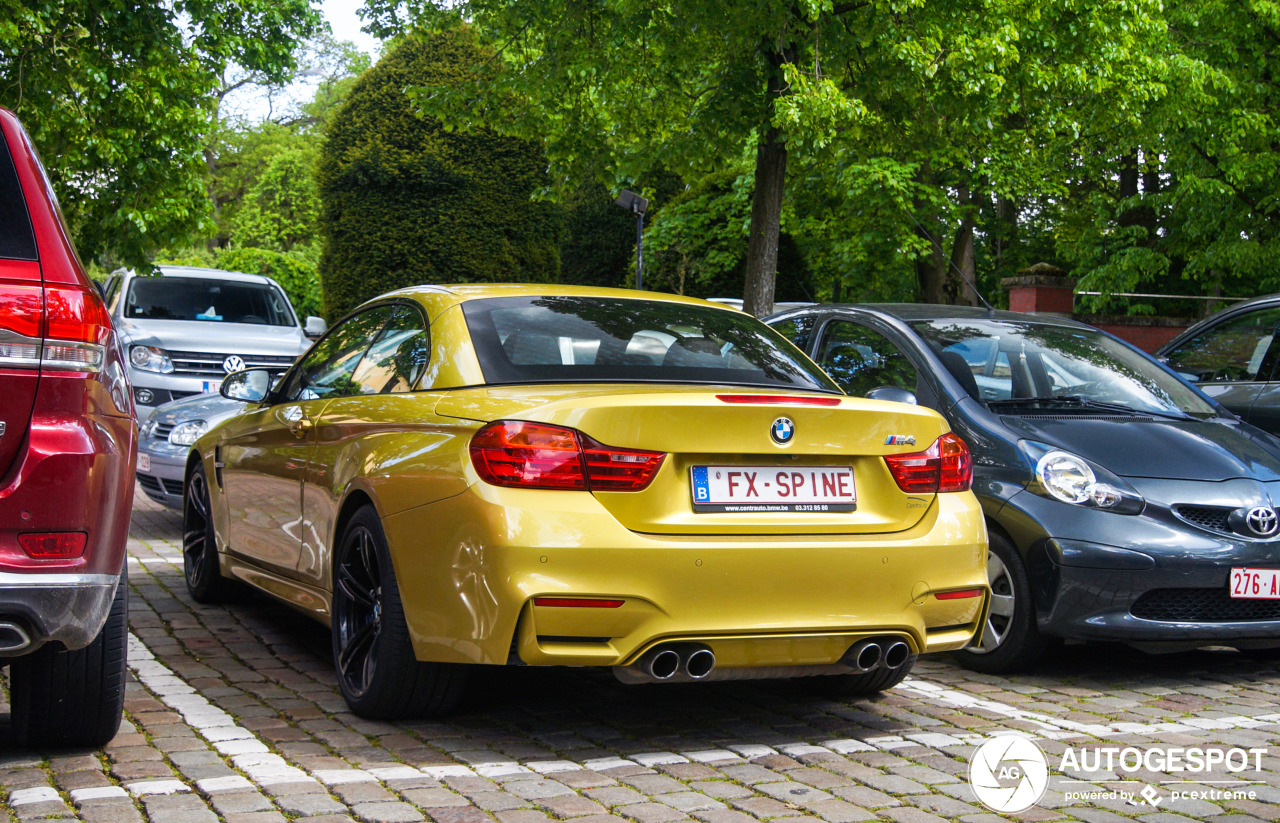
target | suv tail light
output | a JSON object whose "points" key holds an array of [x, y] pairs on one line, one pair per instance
{"points": [[539, 456], [52, 327], [946, 466]]}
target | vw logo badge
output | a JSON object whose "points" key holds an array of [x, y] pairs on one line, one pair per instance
{"points": [[782, 431], [1262, 521], [234, 363]]}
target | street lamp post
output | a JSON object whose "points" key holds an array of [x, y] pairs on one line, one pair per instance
{"points": [[636, 204]]}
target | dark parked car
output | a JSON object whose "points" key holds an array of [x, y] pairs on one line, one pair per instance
{"points": [[1232, 356], [67, 447], [1122, 504]]}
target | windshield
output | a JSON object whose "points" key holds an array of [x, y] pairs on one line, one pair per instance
{"points": [[600, 339], [214, 301], [1007, 364]]}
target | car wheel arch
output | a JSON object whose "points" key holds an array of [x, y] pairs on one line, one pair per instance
{"points": [[356, 499], [1041, 572]]}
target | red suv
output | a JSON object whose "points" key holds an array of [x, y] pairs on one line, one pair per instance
{"points": [[67, 447]]}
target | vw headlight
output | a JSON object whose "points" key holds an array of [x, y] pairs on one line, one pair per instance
{"points": [[150, 358], [1072, 479], [186, 434]]}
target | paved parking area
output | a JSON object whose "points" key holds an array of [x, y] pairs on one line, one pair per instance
{"points": [[234, 715]]}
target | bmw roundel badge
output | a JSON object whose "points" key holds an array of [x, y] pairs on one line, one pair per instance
{"points": [[782, 431]]}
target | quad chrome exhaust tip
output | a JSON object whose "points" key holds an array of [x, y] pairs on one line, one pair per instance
{"points": [[671, 663], [691, 662]]}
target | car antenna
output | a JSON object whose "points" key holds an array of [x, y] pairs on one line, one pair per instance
{"points": [[991, 311]]}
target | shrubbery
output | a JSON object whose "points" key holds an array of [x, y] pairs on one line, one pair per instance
{"points": [[405, 201]]}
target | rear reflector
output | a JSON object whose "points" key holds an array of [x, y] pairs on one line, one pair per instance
{"points": [[53, 545], [779, 399], [962, 594], [946, 466], [539, 456], [577, 602]]}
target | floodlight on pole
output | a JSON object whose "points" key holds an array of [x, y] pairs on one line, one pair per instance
{"points": [[636, 204]]}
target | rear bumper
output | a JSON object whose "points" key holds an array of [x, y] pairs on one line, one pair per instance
{"points": [[69, 609], [469, 568]]}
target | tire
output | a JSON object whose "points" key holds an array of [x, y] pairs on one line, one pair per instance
{"points": [[1010, 641], [379, 675], [204, 579], [73, 699]]}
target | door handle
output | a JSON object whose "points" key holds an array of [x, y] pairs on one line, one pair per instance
{"points": [[297, 421]]}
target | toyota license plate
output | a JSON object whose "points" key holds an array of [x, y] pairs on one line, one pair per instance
{"points": [[1255, 584], [749, 489]]}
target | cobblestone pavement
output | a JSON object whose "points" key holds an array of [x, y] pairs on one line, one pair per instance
{"points": [[234, 715]]}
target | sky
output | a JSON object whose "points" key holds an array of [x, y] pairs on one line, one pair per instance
{"points": [[341, 15], [252, 103]]}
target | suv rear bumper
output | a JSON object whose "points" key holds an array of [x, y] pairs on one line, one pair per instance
{"points": [[63, 608]]}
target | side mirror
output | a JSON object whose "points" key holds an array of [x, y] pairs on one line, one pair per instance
{"points": [[248, 386], [893, 394], [315, 327]]}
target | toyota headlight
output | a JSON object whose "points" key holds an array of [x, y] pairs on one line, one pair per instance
{"points": [[1072, 479], [150, 358], [186, 434]]}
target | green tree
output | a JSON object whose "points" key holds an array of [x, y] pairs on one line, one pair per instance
{"points": [[1187, 200], [282, 209], [119, 96], [949, 103], [405, 201]]}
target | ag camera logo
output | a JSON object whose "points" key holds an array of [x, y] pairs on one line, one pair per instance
{"points": [[1009, 774]]}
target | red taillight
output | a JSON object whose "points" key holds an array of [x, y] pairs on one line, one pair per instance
{"points": [[779, 399], [577, 602], [53, 545], [65, 327], [75, 314], [21, 309], [962, 594], [540, 456], [946, 466]]}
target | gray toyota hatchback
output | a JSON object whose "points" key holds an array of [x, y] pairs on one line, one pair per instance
{"points": [[1122, 503]]}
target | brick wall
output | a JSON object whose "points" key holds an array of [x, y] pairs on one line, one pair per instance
{"points": [[1147, 333]]}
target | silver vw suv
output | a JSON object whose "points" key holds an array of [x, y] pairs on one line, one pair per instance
{"points": [[186, 329]]}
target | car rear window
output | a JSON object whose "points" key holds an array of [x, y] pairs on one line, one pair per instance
{"points": [[568, 339], [17, 240], [212, 301]]}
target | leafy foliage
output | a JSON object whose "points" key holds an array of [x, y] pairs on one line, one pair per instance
{"points": [[118, 98], [406, 201]]}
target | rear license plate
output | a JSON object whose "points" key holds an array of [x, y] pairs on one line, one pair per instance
{"points": [[144, 462], [749, 489], [1255, 584]]}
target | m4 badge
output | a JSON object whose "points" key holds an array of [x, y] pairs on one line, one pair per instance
{"points": [[900, 440]]}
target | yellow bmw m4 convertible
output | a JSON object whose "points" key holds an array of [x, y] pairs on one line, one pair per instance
{"points": [[459, 476]]}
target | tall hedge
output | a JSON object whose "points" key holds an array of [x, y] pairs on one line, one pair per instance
{"points": [[405, 202]]}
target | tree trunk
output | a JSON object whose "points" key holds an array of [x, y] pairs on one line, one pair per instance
{"points": [[962, 274], [766, 207], [931, 269]]}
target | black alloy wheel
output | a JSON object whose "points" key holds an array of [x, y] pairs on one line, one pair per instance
{"points": [[378, 672], [357, 611], [199, 546]]}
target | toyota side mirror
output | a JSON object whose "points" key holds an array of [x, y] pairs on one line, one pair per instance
{"points": [[248, 386]]}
